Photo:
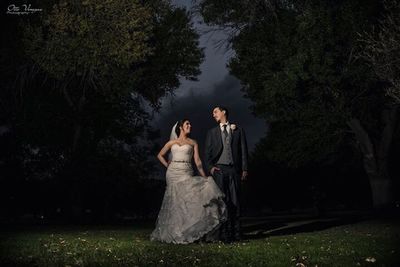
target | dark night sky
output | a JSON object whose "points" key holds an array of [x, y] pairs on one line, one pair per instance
{"points": [[215, 86]]}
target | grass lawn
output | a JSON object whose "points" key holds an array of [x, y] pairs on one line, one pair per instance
{"points": [[369, 243]]}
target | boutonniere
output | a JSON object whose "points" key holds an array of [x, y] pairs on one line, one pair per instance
{"points": [[233, 127]]}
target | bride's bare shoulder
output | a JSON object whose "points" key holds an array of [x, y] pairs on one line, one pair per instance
{"points": [[171, 142], [192, 142]]}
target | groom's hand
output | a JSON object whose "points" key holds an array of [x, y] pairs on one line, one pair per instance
{"points": [[213, 169], [244, 175]]}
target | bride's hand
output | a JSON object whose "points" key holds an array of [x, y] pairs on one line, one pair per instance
{"points": [[213, 169]]}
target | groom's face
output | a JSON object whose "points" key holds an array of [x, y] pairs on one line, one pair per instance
{"points": [[218, 115]]}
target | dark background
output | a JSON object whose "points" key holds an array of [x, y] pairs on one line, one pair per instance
{"points": [[292, 77]]}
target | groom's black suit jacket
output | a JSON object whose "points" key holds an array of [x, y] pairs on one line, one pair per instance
{"points": [[214, 147]]}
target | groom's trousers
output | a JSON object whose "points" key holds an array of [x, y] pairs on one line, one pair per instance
{"points": [[228, 181]]}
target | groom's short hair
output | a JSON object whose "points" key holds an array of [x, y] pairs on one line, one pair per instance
{"points": [[222, 108]]}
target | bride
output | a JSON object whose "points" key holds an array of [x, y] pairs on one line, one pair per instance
{"points": [[192, 205]]}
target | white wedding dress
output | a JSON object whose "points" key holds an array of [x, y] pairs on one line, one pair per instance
{"points": [[192, 205]]}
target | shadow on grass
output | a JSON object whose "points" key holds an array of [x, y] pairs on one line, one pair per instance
{"points": [[275, 228]]}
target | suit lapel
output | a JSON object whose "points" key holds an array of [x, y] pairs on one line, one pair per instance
{"points": [[232, 136], [219, 135]]}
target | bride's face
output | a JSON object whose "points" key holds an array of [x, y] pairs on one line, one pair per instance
{"points": [[186, 127]]}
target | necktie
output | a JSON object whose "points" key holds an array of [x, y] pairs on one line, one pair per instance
{"points": [[224, 131]]}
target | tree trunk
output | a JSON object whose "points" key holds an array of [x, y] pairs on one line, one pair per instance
{"points": [[76, 137], [75, 193], [77, 110], [375, 159]]}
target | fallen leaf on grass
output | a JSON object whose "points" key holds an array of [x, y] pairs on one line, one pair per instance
{"points": [[370, 259]]}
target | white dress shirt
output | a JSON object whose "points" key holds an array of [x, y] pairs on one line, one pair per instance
{"points": [[228, 127]]}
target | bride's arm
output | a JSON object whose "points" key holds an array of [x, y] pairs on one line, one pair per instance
{"points": [[163, 152], [197, 160]]}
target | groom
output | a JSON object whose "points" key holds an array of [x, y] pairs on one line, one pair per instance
{"points": [[226, 160]]}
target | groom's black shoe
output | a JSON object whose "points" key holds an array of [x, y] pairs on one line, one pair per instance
{"points": [[237, 236], [229, 238]]}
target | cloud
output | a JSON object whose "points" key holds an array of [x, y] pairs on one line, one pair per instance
{"points": [[197, 106], [213, 68], [195, 100]]}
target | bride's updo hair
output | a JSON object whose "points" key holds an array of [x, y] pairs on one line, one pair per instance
{"points": [[179, 124]]}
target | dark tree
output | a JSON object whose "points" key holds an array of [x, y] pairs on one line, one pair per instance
{"points": [[78, 81], [298, 63]]}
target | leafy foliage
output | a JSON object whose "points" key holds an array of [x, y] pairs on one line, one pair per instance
{"points": [[81, 80], [381, 49], [90, 36], [117, 45], [296, 62]]}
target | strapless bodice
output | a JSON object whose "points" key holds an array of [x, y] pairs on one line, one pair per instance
{"points": [[183, 153]]}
